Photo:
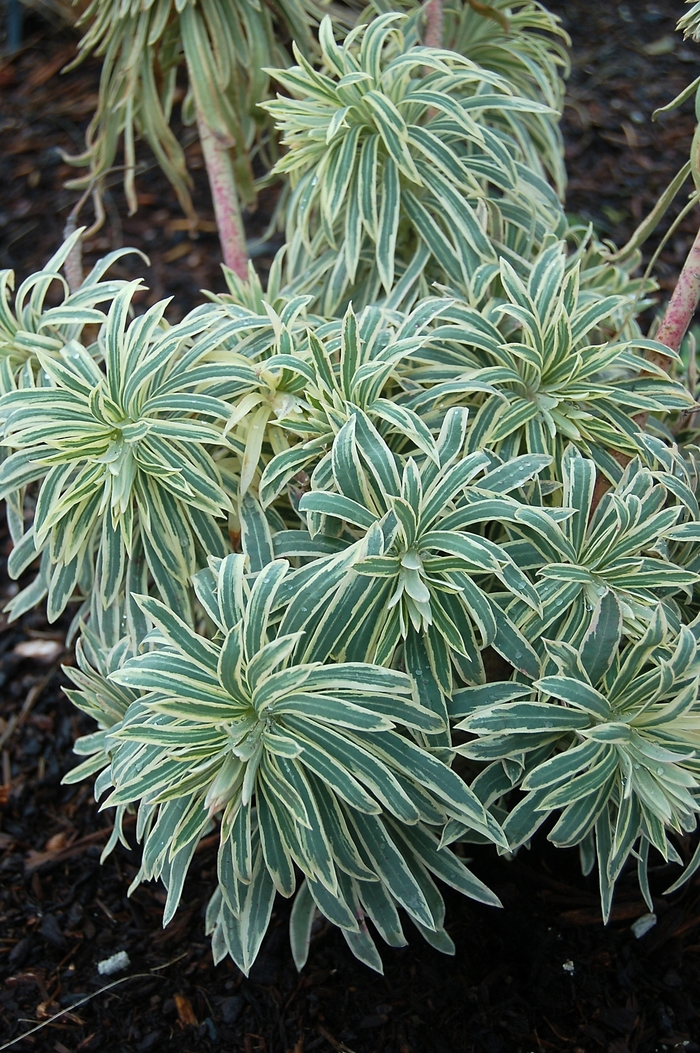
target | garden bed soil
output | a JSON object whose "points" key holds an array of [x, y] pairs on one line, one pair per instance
{"points": [[542, 973]]}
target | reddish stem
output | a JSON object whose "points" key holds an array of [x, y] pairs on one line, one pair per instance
{"points": [[73, 267], [674, 326], [223, 191], [434, 17], [681, 307]]}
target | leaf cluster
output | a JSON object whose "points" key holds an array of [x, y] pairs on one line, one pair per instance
{"points": [[224, 47], [349, 592]]}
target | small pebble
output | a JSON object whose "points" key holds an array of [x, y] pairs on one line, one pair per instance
{"points": [[642, 925], [44, 651], [116, 964], [207, 1028], [231, 1008], [51, 931], [150, 1042], [20, 952]]}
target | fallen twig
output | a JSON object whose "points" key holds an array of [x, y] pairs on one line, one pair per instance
{"points": [[35, 860], [40, 859], [75, 1005]]}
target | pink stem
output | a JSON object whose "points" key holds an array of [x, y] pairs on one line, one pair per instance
{"points": [[223, 192], [432, 38], [681, 307], [674, 326], [73, 267]]}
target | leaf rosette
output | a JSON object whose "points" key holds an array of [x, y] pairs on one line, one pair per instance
{"points": [[425, 574], [123, 455], [390, 162], [350, 365], [610, 739], [524, 44], [557, 379], [622, 547], [309, 765], [28, 325]]}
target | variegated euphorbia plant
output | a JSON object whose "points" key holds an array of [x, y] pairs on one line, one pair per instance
{"points": [[430, 496]]}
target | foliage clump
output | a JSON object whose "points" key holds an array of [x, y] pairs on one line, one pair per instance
{"points": [[397, 552]]}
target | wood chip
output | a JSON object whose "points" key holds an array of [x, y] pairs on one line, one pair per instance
{"points": [[622, 912], [57, 842], [177, 253], [185, 1012]]}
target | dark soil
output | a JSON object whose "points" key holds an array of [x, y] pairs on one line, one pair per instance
{"points": [[541, 974]]}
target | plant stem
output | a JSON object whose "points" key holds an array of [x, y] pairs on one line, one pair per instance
{"points": [[223, 192], [73, 267], [432, 38], [681, 307], [674, 326]]}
